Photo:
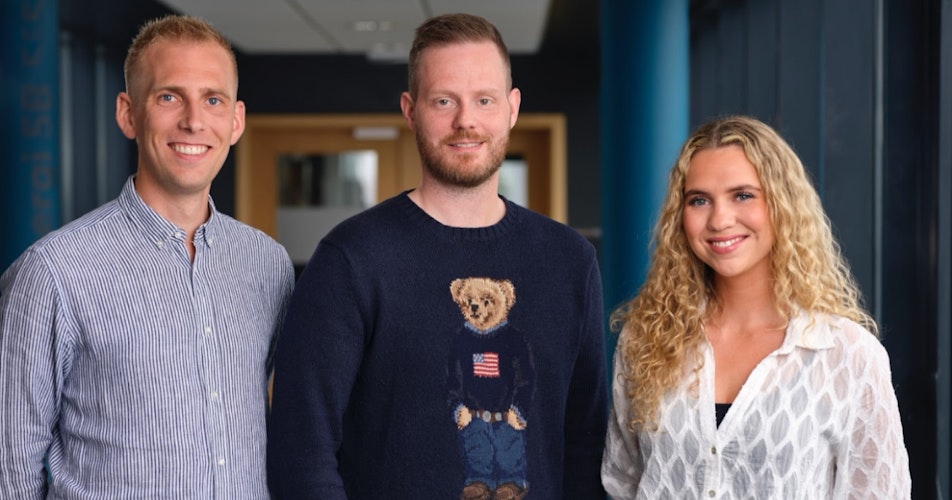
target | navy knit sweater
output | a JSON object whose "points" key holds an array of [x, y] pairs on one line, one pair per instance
{"points": [[365, 405]]}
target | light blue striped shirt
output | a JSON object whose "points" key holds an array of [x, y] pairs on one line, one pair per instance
{"points": [[135, 372]]}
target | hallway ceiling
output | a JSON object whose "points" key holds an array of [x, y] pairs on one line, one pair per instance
{"points": [[381, 29]]}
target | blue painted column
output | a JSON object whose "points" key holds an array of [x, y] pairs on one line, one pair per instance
{"points": [[644, 120], [29, 125]]}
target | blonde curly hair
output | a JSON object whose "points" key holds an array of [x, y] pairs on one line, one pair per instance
{"points": [[664, 324]]}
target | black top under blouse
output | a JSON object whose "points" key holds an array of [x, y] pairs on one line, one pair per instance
{"points": [[720, 409]]}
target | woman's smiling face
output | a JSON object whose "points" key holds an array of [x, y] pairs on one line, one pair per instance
{"points": [[726, 219]]}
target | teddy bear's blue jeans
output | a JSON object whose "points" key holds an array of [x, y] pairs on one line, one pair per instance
{"points": [[495, 453]]}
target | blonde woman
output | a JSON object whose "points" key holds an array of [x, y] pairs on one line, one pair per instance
{"points": [[746, 366]]}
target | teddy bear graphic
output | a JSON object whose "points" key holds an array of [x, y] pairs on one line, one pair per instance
{"points": [[490, 381]]}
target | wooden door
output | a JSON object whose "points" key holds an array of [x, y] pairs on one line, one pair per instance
{"points": [[538, 139]]}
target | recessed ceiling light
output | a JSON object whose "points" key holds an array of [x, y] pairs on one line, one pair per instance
{"points": [[388, 52], [372, 25]]}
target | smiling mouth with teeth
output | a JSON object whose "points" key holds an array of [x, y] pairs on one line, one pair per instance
{"points": [[725, 244], [189, 150], [465, 141]]}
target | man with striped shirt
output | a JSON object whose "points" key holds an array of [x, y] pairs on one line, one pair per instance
{"points": [[136, 341]]}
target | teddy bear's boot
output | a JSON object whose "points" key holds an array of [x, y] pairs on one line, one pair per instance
{"points": [[475, 491]]}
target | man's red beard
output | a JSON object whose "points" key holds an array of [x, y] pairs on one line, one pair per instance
{"points": [[462, 170]]}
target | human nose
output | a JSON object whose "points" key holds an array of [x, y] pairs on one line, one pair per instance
{"points": [[464, 116], [721, 217], [192, 118]]}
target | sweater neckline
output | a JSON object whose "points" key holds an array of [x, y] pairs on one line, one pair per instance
{"points": [[420, 218]]}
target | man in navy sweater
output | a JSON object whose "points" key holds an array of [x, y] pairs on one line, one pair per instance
{"points": [[446, 343]]}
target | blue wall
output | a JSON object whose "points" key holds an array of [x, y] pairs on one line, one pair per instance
{"points": [[29, 141]]}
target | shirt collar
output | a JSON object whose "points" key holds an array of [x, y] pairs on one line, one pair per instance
{"points": [[808, 331], [156, 228]]}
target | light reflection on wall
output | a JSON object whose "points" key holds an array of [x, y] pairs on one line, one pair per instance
{"points": [[513, 181]]}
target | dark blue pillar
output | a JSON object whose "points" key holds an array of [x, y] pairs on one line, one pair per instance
{"points": [[29, 135], [644, 120]]}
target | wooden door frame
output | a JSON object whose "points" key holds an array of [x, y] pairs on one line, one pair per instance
{"points": [[538, 137]]}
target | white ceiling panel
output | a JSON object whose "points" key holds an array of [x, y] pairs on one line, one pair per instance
{"points": [[366, 25], [381, 29], [255, 26], [521, 22]]}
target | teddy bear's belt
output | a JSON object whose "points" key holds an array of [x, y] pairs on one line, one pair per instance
{"points": [[487, 416]]}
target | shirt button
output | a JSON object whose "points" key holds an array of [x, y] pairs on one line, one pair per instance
{"points": [[221, 463], [208, 330], [713, 450], [711, 493], [214, 395]]}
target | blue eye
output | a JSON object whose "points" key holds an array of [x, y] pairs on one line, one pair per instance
{"points": [[696, 202], [166, 98], [744, 195], [214, 101]]}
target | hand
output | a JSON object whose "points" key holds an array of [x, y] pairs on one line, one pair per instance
{"points": [[464, 418], [512, 418]]}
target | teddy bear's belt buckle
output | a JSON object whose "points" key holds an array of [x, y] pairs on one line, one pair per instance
{"points": [[489, 417]]}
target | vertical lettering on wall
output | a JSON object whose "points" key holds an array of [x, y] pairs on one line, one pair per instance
{"points": [[29, 136]]}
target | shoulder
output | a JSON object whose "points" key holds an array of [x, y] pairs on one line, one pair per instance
{"points": [[540, 229], [859, 341], [60, 249], [233, 228], [81, 232], [847, 330], [843, 336], [388, 225], [250, 244]]}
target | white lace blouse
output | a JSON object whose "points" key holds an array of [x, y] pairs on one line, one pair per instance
{"points": [[816, 419]]}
